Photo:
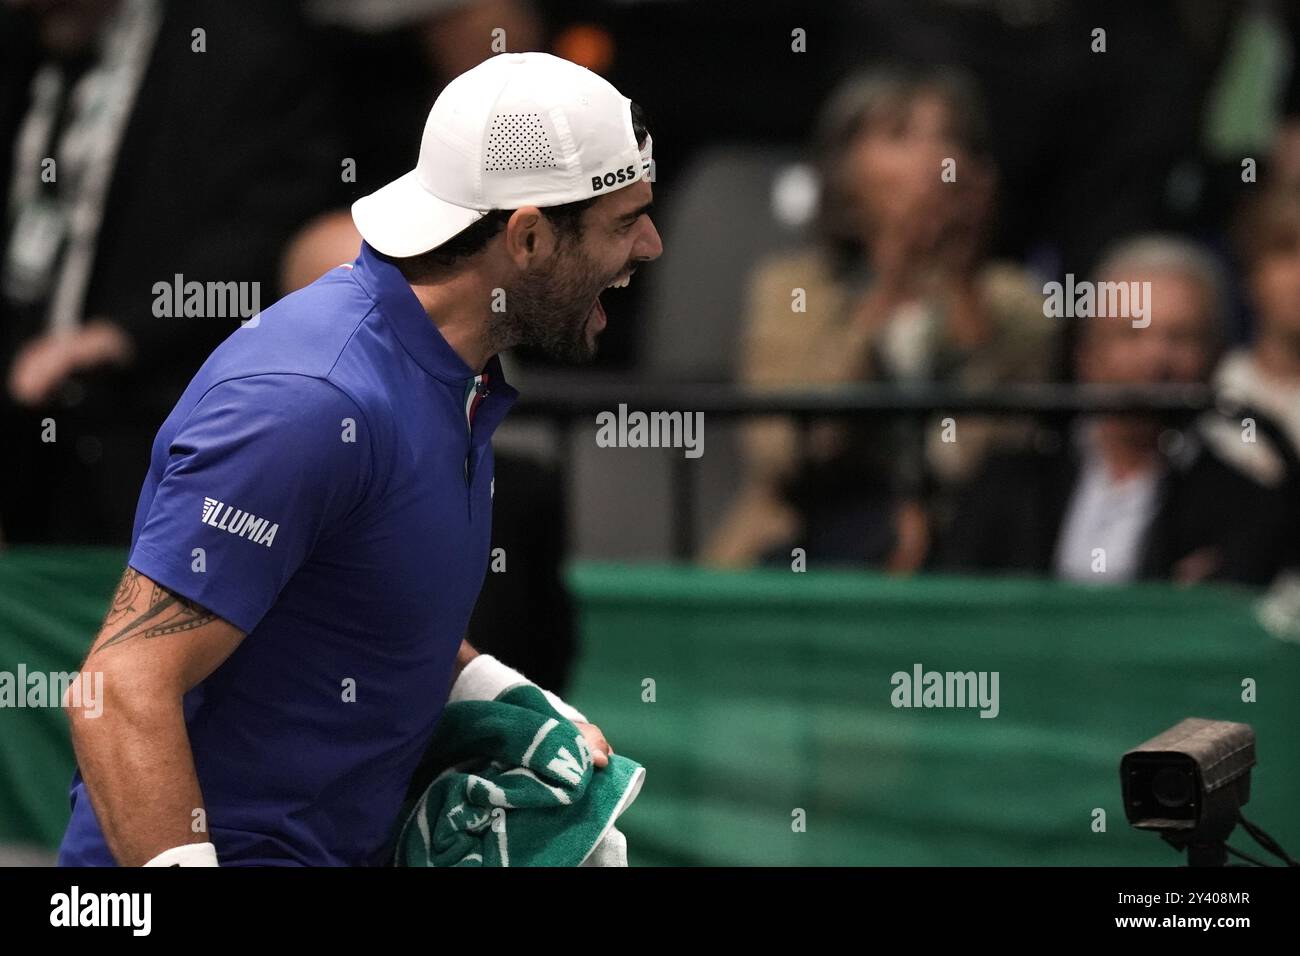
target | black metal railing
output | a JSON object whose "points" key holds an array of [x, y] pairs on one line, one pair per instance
{"points": [[574, 398], [563, 402]]}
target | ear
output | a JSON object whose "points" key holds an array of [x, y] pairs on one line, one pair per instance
{"points": [[529, 238]]}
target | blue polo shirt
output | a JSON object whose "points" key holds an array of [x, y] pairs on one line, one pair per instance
{"points": [[319, 485]]}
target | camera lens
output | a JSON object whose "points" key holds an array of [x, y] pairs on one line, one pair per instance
{"points": [[1172, 787]]}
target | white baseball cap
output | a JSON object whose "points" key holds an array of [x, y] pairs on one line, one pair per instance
{"points": [[519, 129]]}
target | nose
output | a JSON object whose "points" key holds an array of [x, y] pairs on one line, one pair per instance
{"points": [[648, 244]]}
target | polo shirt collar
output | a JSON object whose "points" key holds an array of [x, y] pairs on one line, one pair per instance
{"points": [[411, 324]]}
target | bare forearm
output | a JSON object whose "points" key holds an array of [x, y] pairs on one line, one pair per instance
{"points": [[135, 757], [139, 773]]}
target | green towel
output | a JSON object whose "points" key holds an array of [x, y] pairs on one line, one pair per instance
{"points": [[519, 789]]}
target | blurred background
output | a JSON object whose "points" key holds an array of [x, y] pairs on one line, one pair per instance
{"points": [[910, 454]]}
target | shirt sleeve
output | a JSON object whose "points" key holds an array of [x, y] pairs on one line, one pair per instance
{"points": [[259, 471]]}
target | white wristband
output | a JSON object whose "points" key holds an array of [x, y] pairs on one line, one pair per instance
{"points": [[190, 854], [486, 678], [567, 711]]}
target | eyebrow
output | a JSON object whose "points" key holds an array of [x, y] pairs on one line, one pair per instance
{"points": [[636, 214]]}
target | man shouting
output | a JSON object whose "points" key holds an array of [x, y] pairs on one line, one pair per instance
{"points": [[314, 527]]}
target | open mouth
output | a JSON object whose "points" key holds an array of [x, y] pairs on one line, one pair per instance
{"points": [[597, 315]]}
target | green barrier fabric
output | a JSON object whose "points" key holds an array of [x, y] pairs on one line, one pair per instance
{"points": [[772, 695], [771, 703], [51, 604]]}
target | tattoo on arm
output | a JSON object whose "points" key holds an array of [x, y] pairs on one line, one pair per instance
{"points": [[126, 594], [164, 613]]}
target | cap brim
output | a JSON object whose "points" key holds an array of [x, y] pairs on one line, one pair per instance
{"points": [[404, 219]]}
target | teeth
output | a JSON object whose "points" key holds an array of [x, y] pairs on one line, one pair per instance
{"points": [[620, 283]]}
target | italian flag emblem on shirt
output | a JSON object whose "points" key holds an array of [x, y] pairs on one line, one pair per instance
{"points": [[475, 391]]}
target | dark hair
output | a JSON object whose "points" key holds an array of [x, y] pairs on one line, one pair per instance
{"points": [[566, 218]]}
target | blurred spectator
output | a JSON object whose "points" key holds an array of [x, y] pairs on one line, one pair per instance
{"points": [[1266, 375], [1124, 498], [145, 141], [898, 290], [1147, 130]]}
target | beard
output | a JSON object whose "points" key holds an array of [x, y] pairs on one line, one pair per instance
{"points": [[549, 309]]}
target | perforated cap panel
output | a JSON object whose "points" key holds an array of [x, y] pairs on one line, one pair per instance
{"points": [[518, 141]]}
